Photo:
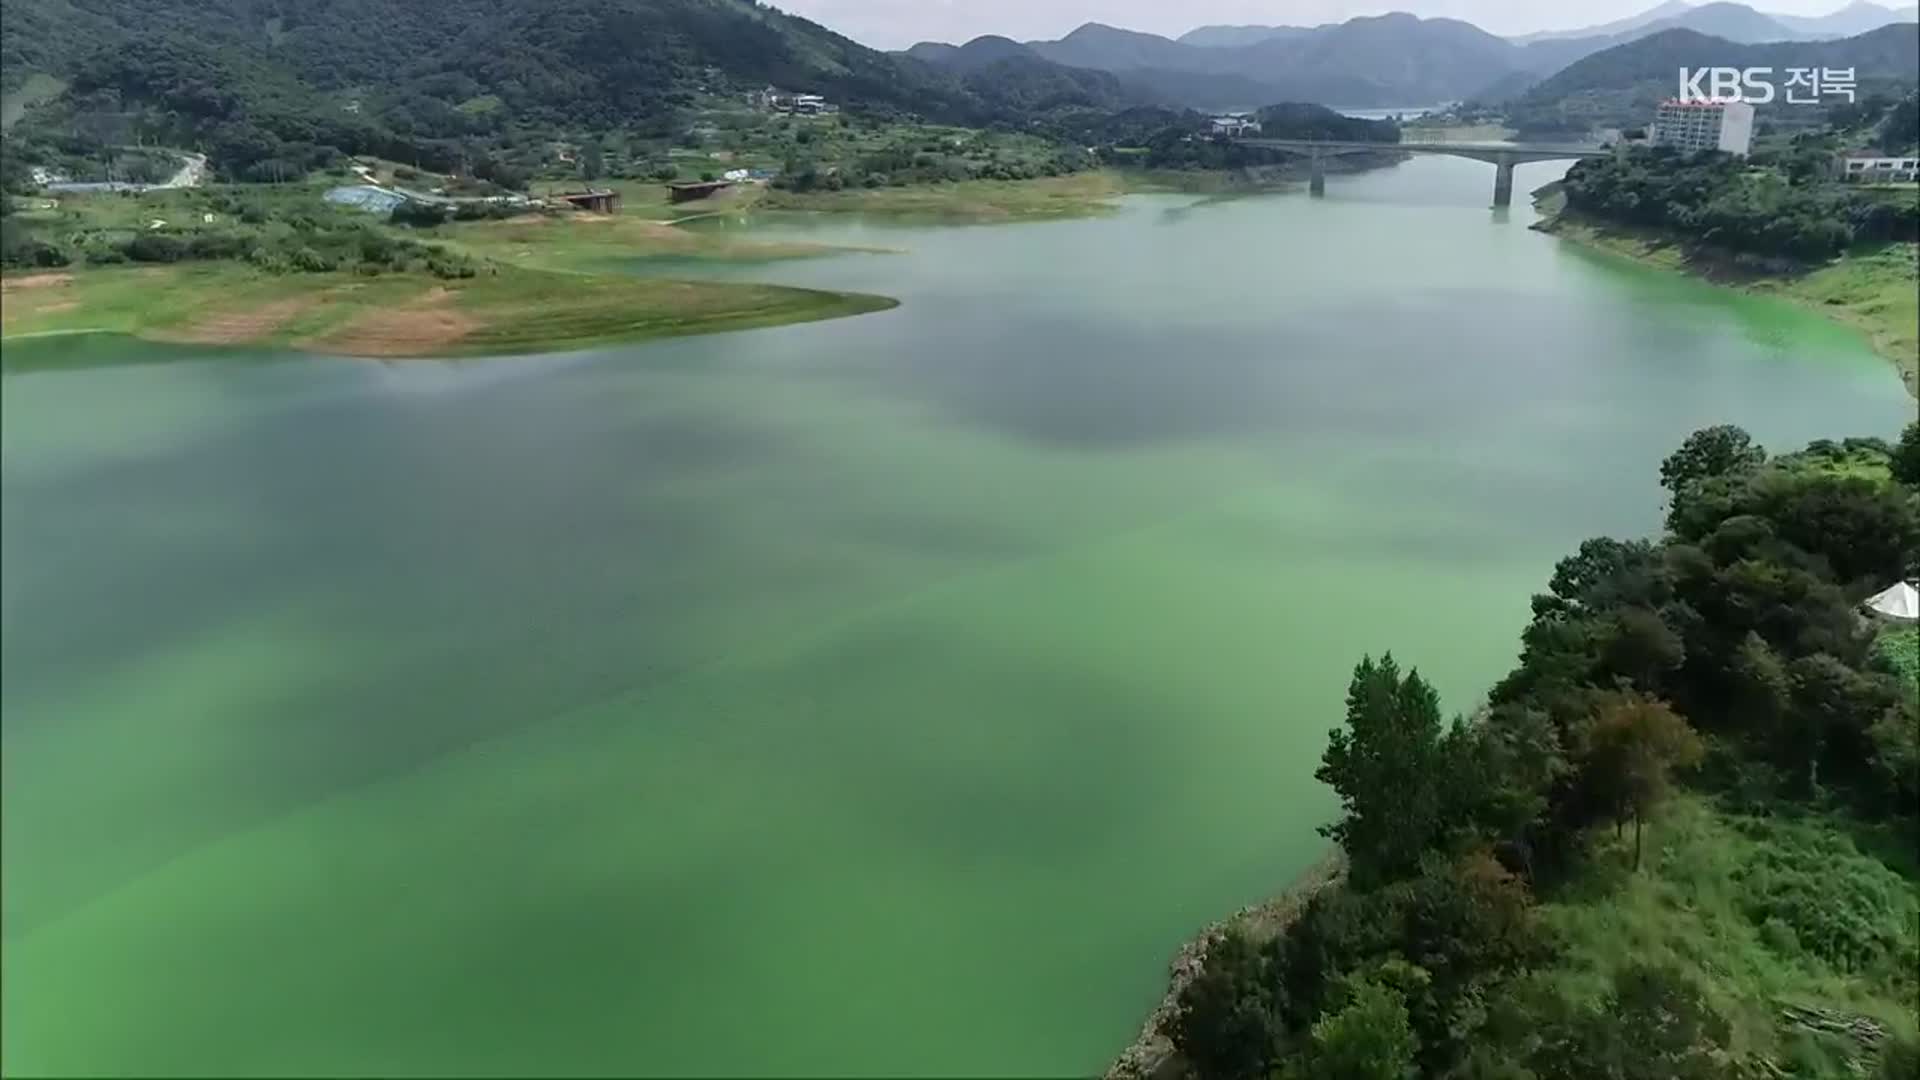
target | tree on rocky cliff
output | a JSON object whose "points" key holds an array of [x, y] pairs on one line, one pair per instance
{"points": [[1224, 1021], [1386, 766]]}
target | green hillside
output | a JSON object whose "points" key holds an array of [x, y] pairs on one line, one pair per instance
{"points": [[268, 87], [1622, 85]]}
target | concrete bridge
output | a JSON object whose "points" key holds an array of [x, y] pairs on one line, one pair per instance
{"points": [[1503, 156]]}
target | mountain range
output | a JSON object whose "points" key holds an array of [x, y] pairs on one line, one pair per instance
{"points": [[1385, 60], [1620, 86], [1392, 60], [270, 85]]}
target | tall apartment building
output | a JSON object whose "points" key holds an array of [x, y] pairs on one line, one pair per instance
{"points": [[1704, 125]]}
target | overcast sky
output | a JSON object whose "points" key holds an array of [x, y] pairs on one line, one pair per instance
{"points": [[895, 24]]}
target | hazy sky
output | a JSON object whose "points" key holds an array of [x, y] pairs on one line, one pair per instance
{"points": [[894, 24]]}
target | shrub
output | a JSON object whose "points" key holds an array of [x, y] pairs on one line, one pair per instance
{"points": [[1655, 1024], [157, 248], [1224, 1019], [310, 261], [419, 215], [219, 245], [38, 253], [1368, 1039], [1899, 1060], [1845, 908], [450, 267]]}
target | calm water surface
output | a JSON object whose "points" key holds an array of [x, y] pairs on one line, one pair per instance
{"points": [[883, 696]]}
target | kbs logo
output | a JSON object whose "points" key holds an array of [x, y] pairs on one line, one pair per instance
{"points": [[1804, 86]]}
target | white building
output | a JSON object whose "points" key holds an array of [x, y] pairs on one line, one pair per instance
{"points": [[1704, 125], [1880, 170], [1235, 124]]}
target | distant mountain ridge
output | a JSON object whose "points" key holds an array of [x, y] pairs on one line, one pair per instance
{"points": [[1233, 37], [1888, 53], [1621, 85], [1726, 21], [1855, 18], [1665, 10], [1391, 60], [1378, 61]]}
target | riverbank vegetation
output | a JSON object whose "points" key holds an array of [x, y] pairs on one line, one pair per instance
{"points": [[1777, 224], [1776, 205], [274, 229], [1676, 841]]}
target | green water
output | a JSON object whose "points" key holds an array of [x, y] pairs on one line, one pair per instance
{"points": [[882, 696]]}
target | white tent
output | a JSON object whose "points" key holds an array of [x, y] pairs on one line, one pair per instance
{"points": [[1902, 601]]}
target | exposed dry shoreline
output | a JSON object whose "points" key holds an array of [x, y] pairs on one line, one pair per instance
{"points": [[1151, 1056]]}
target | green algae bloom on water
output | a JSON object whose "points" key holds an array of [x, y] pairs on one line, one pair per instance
{"points": [[878, 696]]}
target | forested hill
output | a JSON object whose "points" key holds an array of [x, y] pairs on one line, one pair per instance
{"points": [[256, 80], [546, 59], [1622, 84]]}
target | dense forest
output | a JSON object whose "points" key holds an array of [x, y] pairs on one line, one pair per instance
{"points": [[1777, 203], [1677, 842], [271, 88]]}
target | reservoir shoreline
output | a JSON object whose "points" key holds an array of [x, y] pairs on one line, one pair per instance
{"points": [[1853, 292], [1151, 1054]]}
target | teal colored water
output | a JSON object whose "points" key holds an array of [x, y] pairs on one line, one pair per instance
{"points": [[883, 696]]}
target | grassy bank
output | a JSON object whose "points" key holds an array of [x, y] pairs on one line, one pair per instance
{"points": [[399, 315], [966, 201], [278, 266], [1768, 914], [1079, 195], [588, 242], [1876, 291]]}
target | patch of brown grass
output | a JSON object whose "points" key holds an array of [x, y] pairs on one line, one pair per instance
{"points": [[23, 282], [43, 301], [238, 327], [425, 326]]}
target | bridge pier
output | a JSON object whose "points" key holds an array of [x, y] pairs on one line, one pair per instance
{"points": [[1503, 181], [1317, 176]]}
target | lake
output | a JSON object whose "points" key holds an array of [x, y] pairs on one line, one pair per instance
{"points": [[886, 696]]}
